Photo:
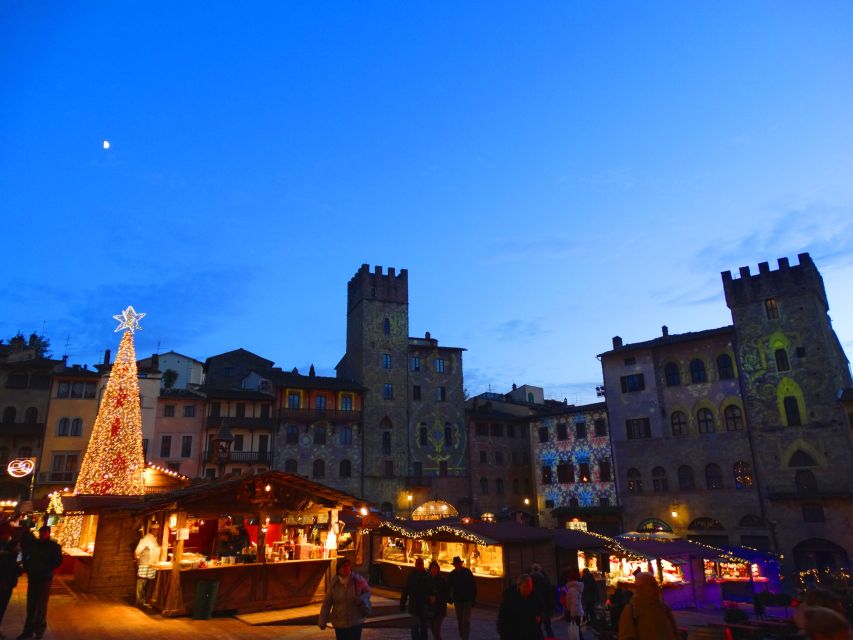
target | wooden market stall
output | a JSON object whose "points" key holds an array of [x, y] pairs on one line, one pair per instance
{"points": [[247, 543], [679, 566], [742, 572], [496, 552]]}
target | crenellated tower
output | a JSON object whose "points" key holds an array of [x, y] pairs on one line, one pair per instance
{"points": [[376, 357], [792, 370]]}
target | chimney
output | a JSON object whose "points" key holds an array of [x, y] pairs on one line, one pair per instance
{"points": [[664, 331], [311, 371], [617, 342], [106, 356], [427, 335]]}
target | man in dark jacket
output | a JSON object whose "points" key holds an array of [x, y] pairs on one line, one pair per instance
{"points": [[463, 595], [519, 617], [41, 557], [543, 591], [417, 591]]}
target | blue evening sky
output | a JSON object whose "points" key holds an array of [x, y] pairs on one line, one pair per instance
{"points": [[551, 174]]}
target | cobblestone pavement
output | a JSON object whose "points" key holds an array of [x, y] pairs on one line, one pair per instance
{"points": [[73, 615]]}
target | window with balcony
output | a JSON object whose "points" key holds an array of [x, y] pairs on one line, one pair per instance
{"points": [[64, 467], [263, 444], [238, 442]]}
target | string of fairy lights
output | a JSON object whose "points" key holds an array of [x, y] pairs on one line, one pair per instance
{"points": [[114, 462]]}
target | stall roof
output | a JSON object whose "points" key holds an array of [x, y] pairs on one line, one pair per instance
{"points": [[575, 539], [677, 548], [288, 492], [453, 530]]}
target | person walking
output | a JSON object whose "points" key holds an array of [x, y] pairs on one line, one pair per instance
{"points": [[147, 552], [438, 599], [9, 570], [347, 603], [41, 557], [519, 616], [463, 595], [543, 591], [416, 594], [589, 600], [646, 617], [573, 604]]}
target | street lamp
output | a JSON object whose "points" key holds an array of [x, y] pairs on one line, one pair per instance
{"points": [[409, 498], [527, 502]]}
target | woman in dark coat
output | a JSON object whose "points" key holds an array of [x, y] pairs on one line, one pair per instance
{"points": [[438, 599]]}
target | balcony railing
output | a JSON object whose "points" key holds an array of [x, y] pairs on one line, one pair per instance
{"points": [[57, 476], [215, 422], [245, 457], [319, 414]]}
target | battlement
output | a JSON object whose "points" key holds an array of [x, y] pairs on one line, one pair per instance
{"points": [[375, 285], [786, 280]]}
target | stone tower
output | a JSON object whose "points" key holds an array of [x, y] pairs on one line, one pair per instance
{"points": [[377, 357], [792, 370]]}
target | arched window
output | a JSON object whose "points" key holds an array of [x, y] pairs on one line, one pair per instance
{"points": [[725, 368], [499, 487], [31, 415], [9, 414], [706, 524], [318, 470], [76, 427], [782, 363], [672, 374], [697, 371], [484, 486], [63, 427], [386, 326], [659, 481], [792, 411], [650, 525], [743, 475], [801, 459], [705, 421], [345, 469], [752, 522], [686, 479], [291, 466], [805, 481], [635, 481], [679, 423], [733, 417], [713, 477]]}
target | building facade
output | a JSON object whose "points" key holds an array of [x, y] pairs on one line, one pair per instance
{"points": [[794, 373], [573, 468], [179, 440], [680, 438], [413, 398]]}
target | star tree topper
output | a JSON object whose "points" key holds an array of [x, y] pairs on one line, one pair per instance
{"points": [[129, 319]]}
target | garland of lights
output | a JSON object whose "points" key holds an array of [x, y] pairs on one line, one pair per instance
{"points": [[72, 528], [114, 463]]}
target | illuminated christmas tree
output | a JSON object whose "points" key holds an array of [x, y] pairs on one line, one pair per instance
{"points": [[114, 463]]}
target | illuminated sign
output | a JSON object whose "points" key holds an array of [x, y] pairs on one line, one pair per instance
{"points": [[577, 525], [20, 467]]}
